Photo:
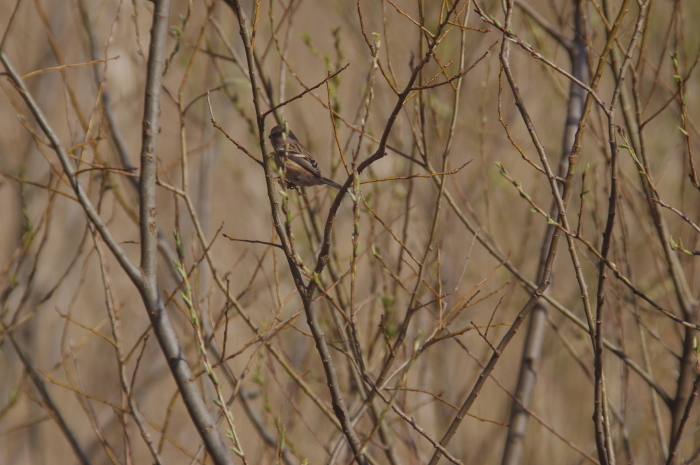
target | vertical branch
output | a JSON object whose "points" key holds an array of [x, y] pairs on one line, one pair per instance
{"points": [[551, 254], [306, 294], [149, 149], [162, 326], [538, 320], [633, 109], [561, 202], [601, 413]]}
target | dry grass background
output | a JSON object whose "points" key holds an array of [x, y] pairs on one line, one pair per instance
{"points": [[53, 298]]}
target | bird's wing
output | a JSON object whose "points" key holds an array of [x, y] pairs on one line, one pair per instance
{"points": [[306, 162]]}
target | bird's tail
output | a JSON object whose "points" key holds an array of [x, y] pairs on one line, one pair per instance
{"points": [[331, 183]]}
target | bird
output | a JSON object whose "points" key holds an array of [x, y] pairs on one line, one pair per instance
{"points": [[297, 165]]}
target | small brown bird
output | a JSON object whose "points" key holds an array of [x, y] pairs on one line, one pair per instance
{"points": [[297, 164]]}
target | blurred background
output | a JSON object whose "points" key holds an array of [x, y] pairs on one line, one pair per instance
{"points": [[85, 61]]}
